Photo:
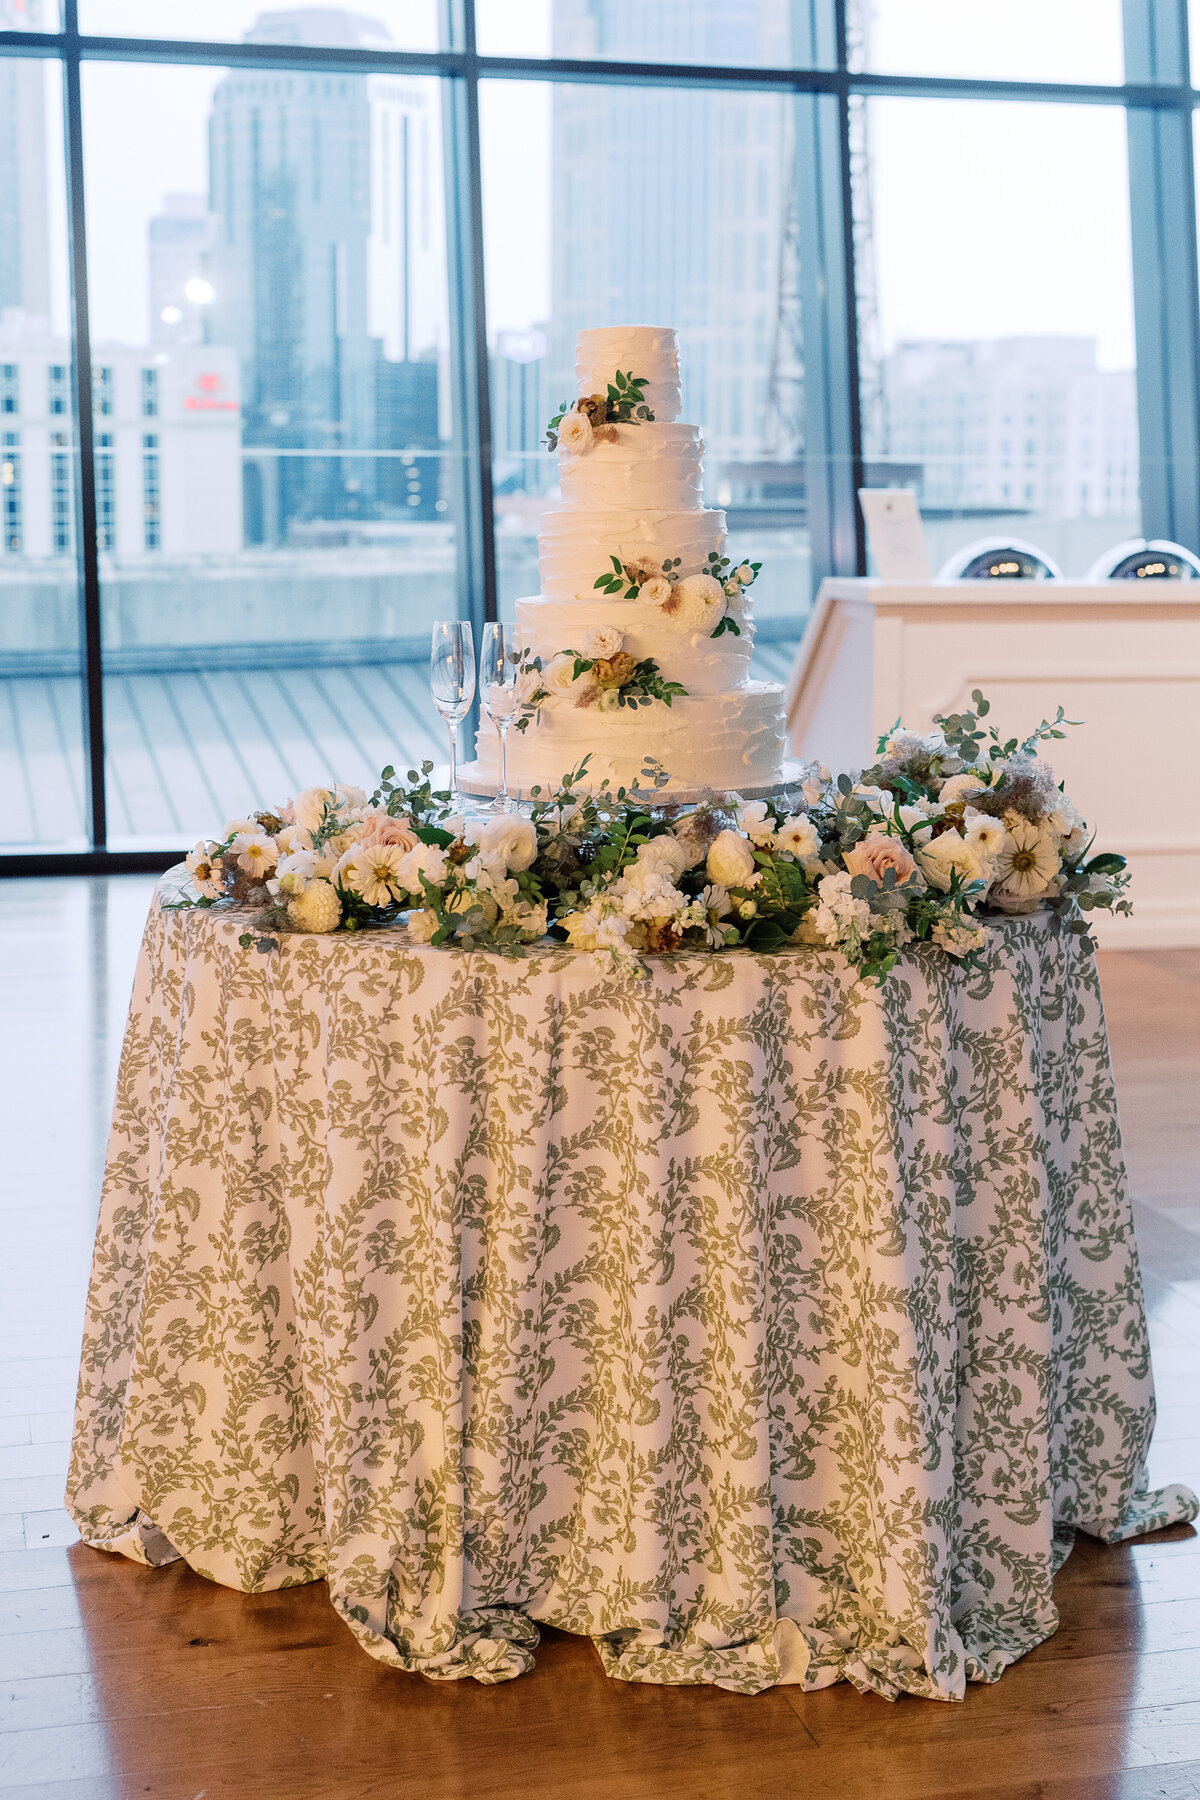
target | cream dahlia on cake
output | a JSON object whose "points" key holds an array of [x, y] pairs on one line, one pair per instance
{"points": [[639, 643]]}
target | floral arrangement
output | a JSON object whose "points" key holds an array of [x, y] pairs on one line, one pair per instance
{"points": [[714, 597], [602, 673], [943, 831], [581, 424]]}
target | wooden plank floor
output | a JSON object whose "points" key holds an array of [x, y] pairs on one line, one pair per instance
{"points": [[118, 1682]]}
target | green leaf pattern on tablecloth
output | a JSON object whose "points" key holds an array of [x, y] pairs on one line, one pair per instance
{"points": [[760, 1325]]}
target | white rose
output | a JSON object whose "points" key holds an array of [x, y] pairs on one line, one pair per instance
{"points": [[798, 836], [696, 603], [422, 859], [753, 820], [558, 677], [601, 640], [730, 860], [914, 819], [946, 854], [309, 807], [665, 853], [575, 433], [512, 838], [656, 591]]}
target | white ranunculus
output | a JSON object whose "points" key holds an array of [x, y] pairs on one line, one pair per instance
{"points": [[422, 859], [939, 860], [798, 836], [696, 604], [745, 574], [665, 853], [513, 838], [754, 820], [656, 590], [575, 434], [956, 787], [984, 832], [730, 860], [601, 641]]}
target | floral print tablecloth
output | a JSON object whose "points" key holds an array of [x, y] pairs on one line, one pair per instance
{"points": [[759, 1324]]}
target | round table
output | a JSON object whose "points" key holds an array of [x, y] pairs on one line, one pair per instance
{"points": [[759, 1324]]}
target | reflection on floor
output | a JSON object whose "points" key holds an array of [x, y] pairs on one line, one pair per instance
{"points": [[188, 750], [118, 1682]]}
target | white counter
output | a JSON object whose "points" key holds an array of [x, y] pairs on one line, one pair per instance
{"points": [[1123, 656]]}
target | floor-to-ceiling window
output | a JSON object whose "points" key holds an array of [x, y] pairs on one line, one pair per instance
{"points": [[288, 296]]}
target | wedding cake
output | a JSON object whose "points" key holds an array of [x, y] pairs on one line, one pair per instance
{"points": [[642, 629]]}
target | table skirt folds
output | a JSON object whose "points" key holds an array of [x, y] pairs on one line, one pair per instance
{"points": [[758, 1324]]}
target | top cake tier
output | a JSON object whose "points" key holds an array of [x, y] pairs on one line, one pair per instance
{"points": [[647, 351]]}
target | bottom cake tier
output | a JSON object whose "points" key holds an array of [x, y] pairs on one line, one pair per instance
{"points": [[712, 740]]}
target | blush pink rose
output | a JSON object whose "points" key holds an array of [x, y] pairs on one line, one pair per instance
{"points": [[876, 855], [381, 829]]}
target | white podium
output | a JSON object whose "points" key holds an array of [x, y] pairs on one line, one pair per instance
{"points": [[1121, 655]]}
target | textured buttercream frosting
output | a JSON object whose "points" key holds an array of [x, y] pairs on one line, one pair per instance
{"points": [[704, 664], [645, 350], [649, 467], [575, 545], [636, 495], [718, 740]]}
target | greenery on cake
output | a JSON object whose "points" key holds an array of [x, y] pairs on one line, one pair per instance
{"points": [[579, 424], [712, 600]]}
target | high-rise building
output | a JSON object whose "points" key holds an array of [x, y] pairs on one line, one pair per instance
{"points": [[1024, 424], [178, 241], [24, 245], [325, 265], [669, 206]]}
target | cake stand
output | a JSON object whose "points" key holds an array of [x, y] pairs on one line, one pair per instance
{"points": [[470, 781]]}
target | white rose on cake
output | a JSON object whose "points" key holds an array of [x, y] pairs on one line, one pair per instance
{"points": [[575, 434], [696, 603], [656, 590], [559, 678], [601, 641]]}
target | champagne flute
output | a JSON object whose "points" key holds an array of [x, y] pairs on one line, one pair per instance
{"points": [[498, 684], [452, 683]]}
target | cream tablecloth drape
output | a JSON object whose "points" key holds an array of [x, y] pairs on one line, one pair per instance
{"points": [[760, 1325]]}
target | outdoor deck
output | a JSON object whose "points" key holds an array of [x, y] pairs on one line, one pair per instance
{"points": [[189, 749]]}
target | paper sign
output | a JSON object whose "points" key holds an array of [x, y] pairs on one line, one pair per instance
{"points": [[895, 534]]}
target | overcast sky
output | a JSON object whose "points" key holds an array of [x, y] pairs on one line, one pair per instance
{"points": [[988, 219]]}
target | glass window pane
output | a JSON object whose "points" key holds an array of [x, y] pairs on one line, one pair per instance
{"points": [[735, 33], [275, 472], [29, 15], [614, 205], [996, 321], [1023, 40], [376, 24], [41, 759]]}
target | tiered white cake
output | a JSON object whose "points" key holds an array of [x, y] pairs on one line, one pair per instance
{"points": [[632, 491]]}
